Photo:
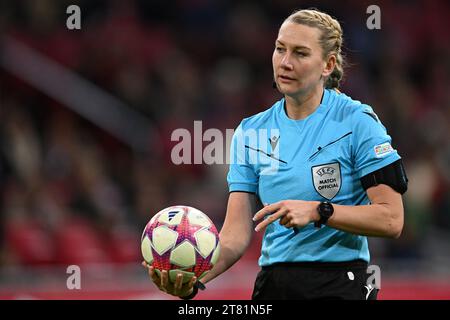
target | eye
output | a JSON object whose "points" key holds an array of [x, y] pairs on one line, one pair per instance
{"points": [[280, 49], [301, 54]]}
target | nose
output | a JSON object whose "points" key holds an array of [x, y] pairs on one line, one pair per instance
{"points": [[286, 63]]}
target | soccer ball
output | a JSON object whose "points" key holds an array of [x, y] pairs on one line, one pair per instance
{"points": [[181, 239]]}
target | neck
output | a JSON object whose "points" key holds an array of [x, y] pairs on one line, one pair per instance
{"points": [[300, 106]]}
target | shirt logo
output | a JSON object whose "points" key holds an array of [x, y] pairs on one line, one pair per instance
{"points": [[274, 142], [327, 179], [172, 214], [369, 290], [383, 149], [325, 170]]}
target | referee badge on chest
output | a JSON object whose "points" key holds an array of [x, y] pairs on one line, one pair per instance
{"points": [[327, 179]]}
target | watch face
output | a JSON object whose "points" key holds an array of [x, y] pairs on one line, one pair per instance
{"points": [[326, 209]]}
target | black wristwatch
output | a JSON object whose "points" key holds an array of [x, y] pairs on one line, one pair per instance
{"points": [[325, 210]]}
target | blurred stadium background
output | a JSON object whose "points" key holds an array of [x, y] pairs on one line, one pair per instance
{"points": [[86, 118]]}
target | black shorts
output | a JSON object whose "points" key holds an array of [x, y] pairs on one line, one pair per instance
{"points": [[314, 280]]}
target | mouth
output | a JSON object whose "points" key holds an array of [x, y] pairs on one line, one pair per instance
{"points": [[284, 78]]}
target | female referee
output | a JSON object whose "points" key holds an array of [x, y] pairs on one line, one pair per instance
{"points": [[328, 177]]}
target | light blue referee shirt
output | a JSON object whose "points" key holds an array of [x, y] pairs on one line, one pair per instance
{"points": [[321, 157]]}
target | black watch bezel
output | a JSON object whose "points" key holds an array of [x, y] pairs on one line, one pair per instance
{"points": [[325, 210]]}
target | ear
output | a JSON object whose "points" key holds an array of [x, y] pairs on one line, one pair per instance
{"points": [[330, 63]]}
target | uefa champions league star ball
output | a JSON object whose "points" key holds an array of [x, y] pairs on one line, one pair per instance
{"points": [[180, 239]]}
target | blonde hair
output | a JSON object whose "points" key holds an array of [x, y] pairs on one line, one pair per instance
{"points": [[330, 40]]}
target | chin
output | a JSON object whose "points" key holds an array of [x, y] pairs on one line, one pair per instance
{"points": [[295, 90], [289, 91]]}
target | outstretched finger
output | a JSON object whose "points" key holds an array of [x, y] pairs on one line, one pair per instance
{"points": [[153, 275], [268, 209], [164, 279], [192, 281], [178, 284], [270, 219]]}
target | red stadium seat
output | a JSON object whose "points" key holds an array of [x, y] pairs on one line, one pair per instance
{"points": [[29, 243], [78, 243], [124, 246]]}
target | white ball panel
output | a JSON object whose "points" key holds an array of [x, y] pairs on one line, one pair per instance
{"points": [[186, 275], [164, 239], [183, 255], [216, 254], [206, 242], [146, 249], [196, 217]]}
